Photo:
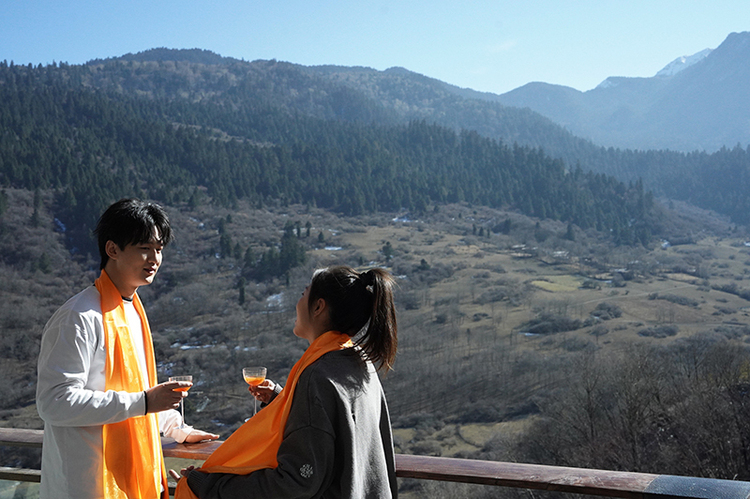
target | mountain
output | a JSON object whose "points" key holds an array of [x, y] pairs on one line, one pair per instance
{"points": [[351, 94], [681, 63], [412, 96], [699, 102], [271, 133], [186, 125]]}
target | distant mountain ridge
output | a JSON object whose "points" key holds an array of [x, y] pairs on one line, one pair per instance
{"points": [[683, 62], [696, 102], [274, 133], [358, 94], [412, 96], [398, 96], [699, 103], [197, 56], [300, 118]]}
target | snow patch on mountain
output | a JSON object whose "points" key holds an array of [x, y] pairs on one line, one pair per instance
{"points": [[608, 83], [682, 63]]}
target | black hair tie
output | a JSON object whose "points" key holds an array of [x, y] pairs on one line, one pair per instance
{"points": [[367, 278]]}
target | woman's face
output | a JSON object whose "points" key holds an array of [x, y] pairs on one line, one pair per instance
{"points": [[303, 325]]}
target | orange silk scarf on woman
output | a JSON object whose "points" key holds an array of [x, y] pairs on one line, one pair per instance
{"points": [[131, 448], [256, 443]]}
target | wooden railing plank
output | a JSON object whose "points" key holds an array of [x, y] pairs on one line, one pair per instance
{"points": [[518, 475], [527, 476], [199, 451], [21, 437], [20, 474]]}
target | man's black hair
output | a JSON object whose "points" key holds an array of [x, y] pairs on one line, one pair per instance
{"points": [[131, 221]]}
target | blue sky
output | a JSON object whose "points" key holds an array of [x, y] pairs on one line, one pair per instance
{"points": [[492, 46]]}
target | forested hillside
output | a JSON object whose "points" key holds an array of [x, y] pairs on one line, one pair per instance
{"points": [[198, 96], [716, 181], [93, 146], [397, 95]]}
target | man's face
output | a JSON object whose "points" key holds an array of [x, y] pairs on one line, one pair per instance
{"points": [[137, 264]]}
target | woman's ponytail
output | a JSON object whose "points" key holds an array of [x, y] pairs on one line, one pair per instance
{"points": [[380, 340], [357, 299]]}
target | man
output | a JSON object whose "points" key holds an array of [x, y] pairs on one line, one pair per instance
{"points": [[97, 390]]}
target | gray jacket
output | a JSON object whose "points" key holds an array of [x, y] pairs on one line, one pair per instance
{"points": [[337, 441]]}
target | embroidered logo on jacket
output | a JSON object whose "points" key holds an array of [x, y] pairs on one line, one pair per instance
{"points": [[306, 471]]}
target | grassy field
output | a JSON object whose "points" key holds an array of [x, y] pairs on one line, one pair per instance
{"points": [[480, 262]]}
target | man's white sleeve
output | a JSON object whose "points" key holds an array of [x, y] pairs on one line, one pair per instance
{"points": [[69, 392]]}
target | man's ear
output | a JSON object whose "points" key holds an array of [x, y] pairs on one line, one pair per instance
{"points": [[111, 248]]}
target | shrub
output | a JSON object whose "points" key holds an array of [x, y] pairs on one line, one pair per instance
{"points": [[420, 421], [575, 344], [679, 300], [548, 323], [606, 311], [409, 301], [427, 448], [492, 296], [599, 331], [659, 331], [590, 284], [479, 412]]}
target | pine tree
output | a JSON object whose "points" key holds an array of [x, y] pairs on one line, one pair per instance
{"points": [[241, 287], [570, 235], [387, 250]]}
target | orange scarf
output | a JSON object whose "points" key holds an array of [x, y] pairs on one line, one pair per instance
{"points": [[255, 444], [131, 448]]}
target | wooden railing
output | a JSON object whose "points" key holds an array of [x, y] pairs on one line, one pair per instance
{"points": [[525, 476]]}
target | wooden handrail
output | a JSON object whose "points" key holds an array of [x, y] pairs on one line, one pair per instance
{"points": [[20, 437], [527, 476]]}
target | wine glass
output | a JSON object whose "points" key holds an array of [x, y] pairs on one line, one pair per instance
{"points": [[253, 377], [182, 389]]}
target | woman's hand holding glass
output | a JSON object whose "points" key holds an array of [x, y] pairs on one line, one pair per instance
{"points": [[254, 376], [264, 391]]}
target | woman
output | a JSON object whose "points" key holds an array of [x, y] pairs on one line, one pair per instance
{"points": [[327, 433]]}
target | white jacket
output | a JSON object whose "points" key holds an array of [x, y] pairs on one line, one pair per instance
{"points": [[71, 400]]}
